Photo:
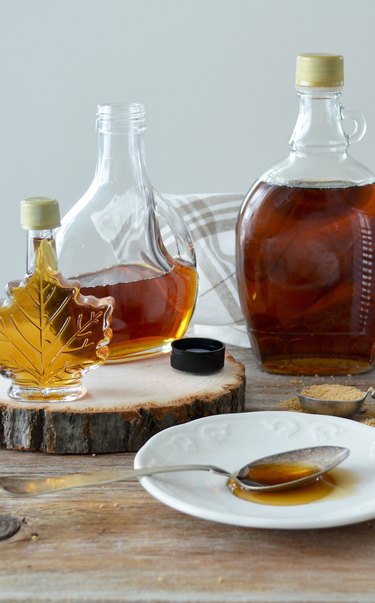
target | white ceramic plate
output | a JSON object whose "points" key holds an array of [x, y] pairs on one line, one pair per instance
{"points": [[232, 440]]}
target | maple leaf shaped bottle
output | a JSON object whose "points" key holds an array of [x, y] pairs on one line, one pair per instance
{"points": [[50, 334]]}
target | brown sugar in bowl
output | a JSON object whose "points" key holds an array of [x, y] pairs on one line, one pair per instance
{"points": [[332, 399]]}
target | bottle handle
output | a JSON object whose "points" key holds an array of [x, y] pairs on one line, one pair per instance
{"points": [[359, 124]]}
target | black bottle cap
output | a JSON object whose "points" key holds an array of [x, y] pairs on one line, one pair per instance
{"points": [[197, 355]]}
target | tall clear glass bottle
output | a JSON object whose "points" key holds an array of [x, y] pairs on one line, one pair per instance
{"points": [[306, 240], [111, 242]]}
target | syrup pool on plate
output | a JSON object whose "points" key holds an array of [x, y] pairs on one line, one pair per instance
{"points": [[337, 483]]}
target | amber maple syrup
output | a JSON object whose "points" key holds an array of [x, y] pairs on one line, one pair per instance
{"points": [[306, 277], [335, 483], [50, 334], [151, 308]]}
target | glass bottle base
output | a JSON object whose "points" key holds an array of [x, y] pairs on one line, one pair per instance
{"points": [[134, 353], [315, 366], [307, 354], [53, 394]]}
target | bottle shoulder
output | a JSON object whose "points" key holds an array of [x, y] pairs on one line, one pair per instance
{"points": [[318, 170]]}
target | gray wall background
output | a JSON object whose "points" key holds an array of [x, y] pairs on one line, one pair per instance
{"points": [[216, 77]]}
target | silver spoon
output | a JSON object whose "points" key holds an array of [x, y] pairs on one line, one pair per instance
{"points": [[314, 461]]}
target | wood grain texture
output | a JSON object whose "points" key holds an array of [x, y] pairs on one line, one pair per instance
{"points": [[116, 543], [126, 405]]}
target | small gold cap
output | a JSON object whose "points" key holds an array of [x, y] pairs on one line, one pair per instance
{"points": [[320, 70], [40, 213]]}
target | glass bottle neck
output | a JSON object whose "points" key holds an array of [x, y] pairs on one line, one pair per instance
{"points": [[319, 123], [118, 154], [34, 239]]}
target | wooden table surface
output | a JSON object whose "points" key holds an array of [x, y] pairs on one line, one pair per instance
{"points": [[117, 543]]}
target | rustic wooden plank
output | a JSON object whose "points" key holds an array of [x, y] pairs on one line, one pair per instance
{"points": [[116, 543]]}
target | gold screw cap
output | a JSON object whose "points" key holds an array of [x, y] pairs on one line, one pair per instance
{"points": [[40, 213], [320, 70]]}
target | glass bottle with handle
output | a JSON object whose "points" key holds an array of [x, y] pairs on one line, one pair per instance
{"points": [[306, 240]]}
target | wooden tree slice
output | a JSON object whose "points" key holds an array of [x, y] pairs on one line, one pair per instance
{"points": [[126, 404]]}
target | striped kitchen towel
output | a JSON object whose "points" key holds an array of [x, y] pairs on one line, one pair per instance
{"points": [[211, 220]]}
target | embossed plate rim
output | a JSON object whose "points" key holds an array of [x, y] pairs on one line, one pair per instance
{"points": [[230, 440]]}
